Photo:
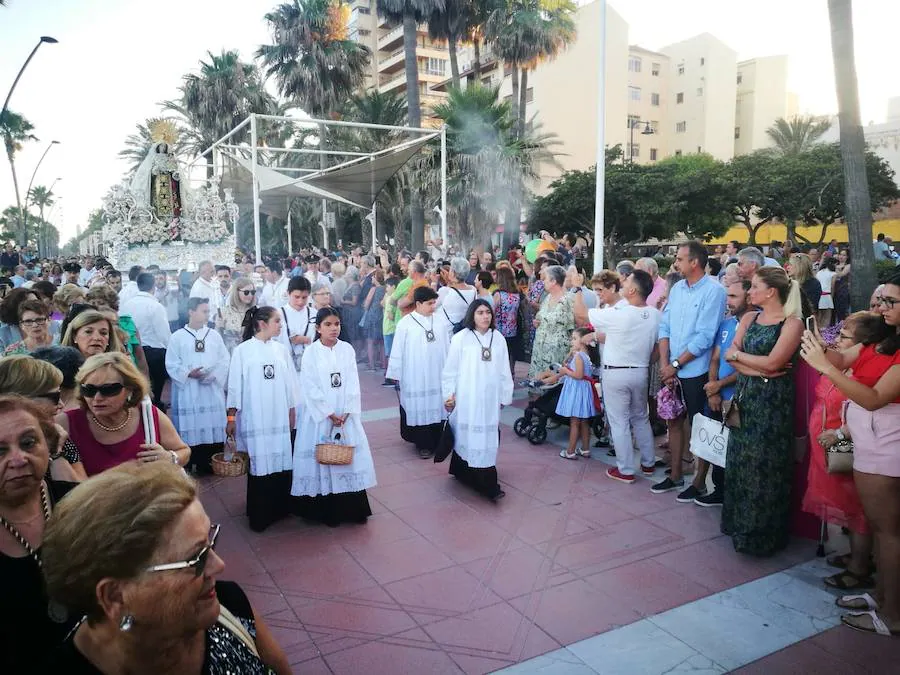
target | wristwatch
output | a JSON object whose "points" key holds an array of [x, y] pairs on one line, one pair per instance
{"points": [[840, 435], [676, 365], [174, 457]]}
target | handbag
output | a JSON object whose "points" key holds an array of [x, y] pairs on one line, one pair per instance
{"points": [[333, 452], [230, 623], [731, 411], [670, 402], [445, 444], [839, 457], [709, 439]]}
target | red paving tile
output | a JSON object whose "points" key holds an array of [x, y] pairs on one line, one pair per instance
{"points": [[441, 580], [807, 658]]}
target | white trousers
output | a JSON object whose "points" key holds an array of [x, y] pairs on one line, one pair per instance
{"points": [[625, 402]]}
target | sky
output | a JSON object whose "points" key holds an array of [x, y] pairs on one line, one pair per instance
{"points": [[117, 59]]}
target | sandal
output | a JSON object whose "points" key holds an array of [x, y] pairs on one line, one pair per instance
{"points": [[583, 453], [566, 455], [862, 602], [840, 561], [848, 581], [879, 627]]}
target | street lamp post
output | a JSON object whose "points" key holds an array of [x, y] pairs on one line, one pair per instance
{"points": [[28, 192], [45, 38], [648, 131]]}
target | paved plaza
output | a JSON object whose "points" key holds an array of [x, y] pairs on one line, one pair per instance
{"points": [[571, 573]]}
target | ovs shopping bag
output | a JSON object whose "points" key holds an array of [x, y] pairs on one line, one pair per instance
{"points": [[709, 439]]}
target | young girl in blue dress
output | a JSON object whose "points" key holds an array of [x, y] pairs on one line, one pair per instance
{"points": [[576, 401]]}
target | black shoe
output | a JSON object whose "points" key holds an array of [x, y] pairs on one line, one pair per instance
{"points": [[602, 442], [667, 485], [497, 497], [689, 495], [611, 452], [712, 499], [388, 383], [426, 454]]}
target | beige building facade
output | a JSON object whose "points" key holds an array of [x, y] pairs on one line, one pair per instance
{"points": [[762, 97]]}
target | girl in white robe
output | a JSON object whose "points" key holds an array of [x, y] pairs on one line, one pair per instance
{"points": [[197, 362], [475, 383], [261, 396], [330, 405]]}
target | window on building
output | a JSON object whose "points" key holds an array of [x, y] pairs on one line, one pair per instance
{"points": [[737, 132], [632, 120], [364, 32], [635, 149], [654, 99], [634, 64], [435, 66], [699, 149], [679, 97], [681, 69], [654, 69], [363, 10], [678, 153], [702, 61], [680, 127], [699, 91], [529, 95], [634, 93], [740, 78], [653, 153]]}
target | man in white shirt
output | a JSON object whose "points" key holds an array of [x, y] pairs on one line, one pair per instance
{"points": [[130, 289], [87, 272], [629, 333], [205, 287], [152, 323], [223, 277], [274, 293]]}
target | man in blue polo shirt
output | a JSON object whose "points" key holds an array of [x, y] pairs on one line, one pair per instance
{"points": [[687, 334], [720, 388]]}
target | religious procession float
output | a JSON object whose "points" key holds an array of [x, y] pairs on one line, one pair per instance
{"points": [[158, 219]]}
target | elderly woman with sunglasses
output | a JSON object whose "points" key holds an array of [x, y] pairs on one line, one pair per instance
{"points": [[108, 426], [229, 318], [133, 552], [29, 625]]}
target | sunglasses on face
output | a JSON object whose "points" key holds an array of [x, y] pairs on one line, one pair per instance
{"points": [[108, 390], [248, 292], [53, 397], [197, 563]]}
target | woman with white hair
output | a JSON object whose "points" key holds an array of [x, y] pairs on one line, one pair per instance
{"points": [[651, 267], [554, 321], [454, 298]]}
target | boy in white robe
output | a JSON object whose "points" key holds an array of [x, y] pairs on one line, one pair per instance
{"points": [[417, 359], [330, 408], [475, 383], [197, 363], [261, 396]]}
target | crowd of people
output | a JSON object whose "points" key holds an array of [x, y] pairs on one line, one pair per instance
{"points": [[113, 394]]}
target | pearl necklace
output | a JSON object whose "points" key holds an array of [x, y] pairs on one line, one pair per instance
{"points": [[45, 507], [112, 429]]}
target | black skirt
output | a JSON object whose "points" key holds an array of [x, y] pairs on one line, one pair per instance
{"points": [[333, 509], [268, 499], [200, 462], [425, 436], [483, 481]]}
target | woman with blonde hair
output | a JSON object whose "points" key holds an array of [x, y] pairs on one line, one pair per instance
{"points": [[229, 319], [759, 472], [91, 332], [799, 268], [105, 300], [66, 296], [133, 551], [108, 426]]}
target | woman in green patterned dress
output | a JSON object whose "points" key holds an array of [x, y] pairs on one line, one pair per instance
{"points": [[760, 460], [555, 321]]}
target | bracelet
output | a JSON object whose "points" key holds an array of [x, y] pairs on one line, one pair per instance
{"points": [[230, 418], [174, 457]]}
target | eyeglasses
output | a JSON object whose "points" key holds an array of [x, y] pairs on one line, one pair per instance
{"points": [[40, 321], [844, 336], [887, 301], [197, 563], [248, 292], [108, 390], [53, 396]]}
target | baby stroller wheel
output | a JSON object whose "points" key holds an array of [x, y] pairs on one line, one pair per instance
{"points": [[597, 426], [537, 435], [521, 427]]}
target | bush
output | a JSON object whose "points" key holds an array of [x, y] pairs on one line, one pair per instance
{"points": [[885, 269]]}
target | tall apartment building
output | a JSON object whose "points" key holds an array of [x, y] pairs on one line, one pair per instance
{"points": [[762, 97], [647, 127], [388, 58]]}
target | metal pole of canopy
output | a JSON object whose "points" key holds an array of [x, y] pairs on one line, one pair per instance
{"points": [[253, 158]]}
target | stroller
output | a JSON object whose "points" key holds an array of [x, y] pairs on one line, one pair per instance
{"points": [[533, 423]]}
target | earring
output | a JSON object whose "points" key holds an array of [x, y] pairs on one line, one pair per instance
{"points": [[126, 623]]}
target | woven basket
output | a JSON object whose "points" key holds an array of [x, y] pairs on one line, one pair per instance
{"points": [[236, 467], [334, 453]]}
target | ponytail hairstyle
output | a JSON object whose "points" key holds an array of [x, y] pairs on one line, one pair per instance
{"points": [[593, 351], [788, 289], [255, 316]]}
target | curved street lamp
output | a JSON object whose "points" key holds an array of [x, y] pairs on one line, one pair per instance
{"points": [[44, 38], [648, 131], [28, 193]]}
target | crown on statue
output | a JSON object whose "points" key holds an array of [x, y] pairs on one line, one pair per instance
{"points": [[163, 131]]}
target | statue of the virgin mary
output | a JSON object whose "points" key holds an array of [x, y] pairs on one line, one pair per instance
{"points": [[157, 182]]}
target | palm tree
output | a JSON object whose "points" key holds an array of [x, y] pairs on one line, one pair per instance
{"points": [[16, 131], [411, 13], [475, 14], [42, 197], [216, 100], [858, 210], [447, 24], [138, 144], [798, 134]]}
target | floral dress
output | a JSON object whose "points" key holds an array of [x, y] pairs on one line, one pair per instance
{"points": [[552, 339]]}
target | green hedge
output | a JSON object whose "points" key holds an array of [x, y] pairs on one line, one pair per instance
{"points": [[885, 269]]}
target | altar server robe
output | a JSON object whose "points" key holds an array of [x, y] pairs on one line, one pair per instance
{"points": [[417, 364], [262, 387], [198, 405], [480, 388], [322, 368]]}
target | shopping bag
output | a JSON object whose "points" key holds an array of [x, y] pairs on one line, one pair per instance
{"points": [[709, 439]]}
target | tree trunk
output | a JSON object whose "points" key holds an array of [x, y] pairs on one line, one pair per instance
{"points": [[523, 105], [414, 115], [454, 61], [858, 211], [514, 101], [12, 166], [476, 61]]}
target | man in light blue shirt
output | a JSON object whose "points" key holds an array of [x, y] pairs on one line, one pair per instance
{"points": [[687, 334]]}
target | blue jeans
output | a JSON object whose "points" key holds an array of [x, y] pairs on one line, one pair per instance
{"points": [[388, 343]]}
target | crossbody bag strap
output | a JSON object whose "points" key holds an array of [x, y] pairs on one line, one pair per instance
{"points": [[287, 324], [231, 623]]}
